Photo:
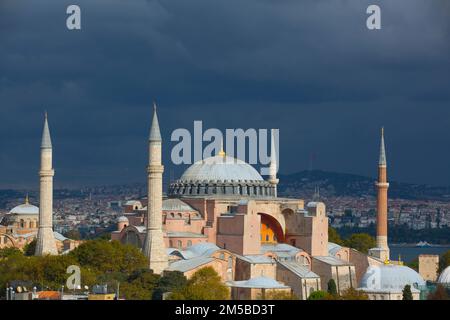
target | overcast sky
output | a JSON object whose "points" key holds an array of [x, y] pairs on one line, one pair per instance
{"points": [[310, 68]]}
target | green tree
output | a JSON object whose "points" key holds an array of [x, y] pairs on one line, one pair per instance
{"points": [[278, 295], [439, 294], [407, 294], [6, 252], [205, 284], [361, 242], [332, 290], [353, 294], [318, 295], [333, 236], [109, 256], [169, 282], [414, 264], [30, 248]]}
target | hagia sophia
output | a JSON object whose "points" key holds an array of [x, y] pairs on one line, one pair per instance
{"points": [[222, 213]]}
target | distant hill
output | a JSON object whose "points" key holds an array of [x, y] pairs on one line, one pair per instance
{"points": [[333, 184], [301, 184]]}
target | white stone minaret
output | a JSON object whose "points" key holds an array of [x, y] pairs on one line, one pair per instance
{"points": [[154, 248], [273, 164], [45, 242]]}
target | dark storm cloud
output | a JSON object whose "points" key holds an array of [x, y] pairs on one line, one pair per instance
{"points": [[310, 68]]}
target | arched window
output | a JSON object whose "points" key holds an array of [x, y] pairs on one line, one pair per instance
{"points": [[180, 244], [189, 243], [170, 243], [22, 223]]}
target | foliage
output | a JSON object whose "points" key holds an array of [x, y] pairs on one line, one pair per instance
{"points": [[30, 248], [444, 261], [205, 284], [100, 261], [353, 294], [332, 290], [169, 282], [318, 295], [439, 294], [407, 294], [333, 236], [44, 272], [361, 242], [414, 264], [109, 256], [6, 252], [278, 295]]}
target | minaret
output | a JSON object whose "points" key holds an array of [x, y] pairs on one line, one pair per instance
{"points": [[45, 242], [154, 248], [273, 164], [382, 250]]}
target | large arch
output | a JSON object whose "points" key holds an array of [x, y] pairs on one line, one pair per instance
{"points": [[271, 229], [7, 241]]}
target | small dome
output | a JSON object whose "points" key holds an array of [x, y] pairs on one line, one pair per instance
{"points": [[221, 168], [444, 278], [122, 219], [25, 209], [390, 277]]}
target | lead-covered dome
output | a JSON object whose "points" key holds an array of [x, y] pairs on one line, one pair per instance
{"points": [[25, 209], [444, 277], [221, 168], [390, 277], [221, 175]]}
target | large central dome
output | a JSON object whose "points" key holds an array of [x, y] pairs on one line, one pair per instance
{"points": [[221, 168], [221, 176]]}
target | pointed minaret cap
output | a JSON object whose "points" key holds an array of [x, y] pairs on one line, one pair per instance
{"points": [[382, 161], [46, 140], [155, 133]]}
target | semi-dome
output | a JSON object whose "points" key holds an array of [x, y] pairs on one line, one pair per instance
{"points": [[221, 168], [444, 278], [176, 205], [390, 277], [25, 209], [221, 175]]}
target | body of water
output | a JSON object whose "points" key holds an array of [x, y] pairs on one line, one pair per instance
{"points": [[409, 253]]}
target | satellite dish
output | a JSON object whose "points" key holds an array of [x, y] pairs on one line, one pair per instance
{"points": [[25, 289], [86, 288], [19, 289]]}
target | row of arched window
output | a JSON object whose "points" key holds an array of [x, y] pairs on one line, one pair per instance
{"points": [[28, 224], [179, 244]]}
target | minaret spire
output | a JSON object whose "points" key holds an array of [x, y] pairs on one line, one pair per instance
{"points": [[382, 250], [154, 247], [382, 161], [273, 164], [155, 133], [45, 242], [46, 142]]}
